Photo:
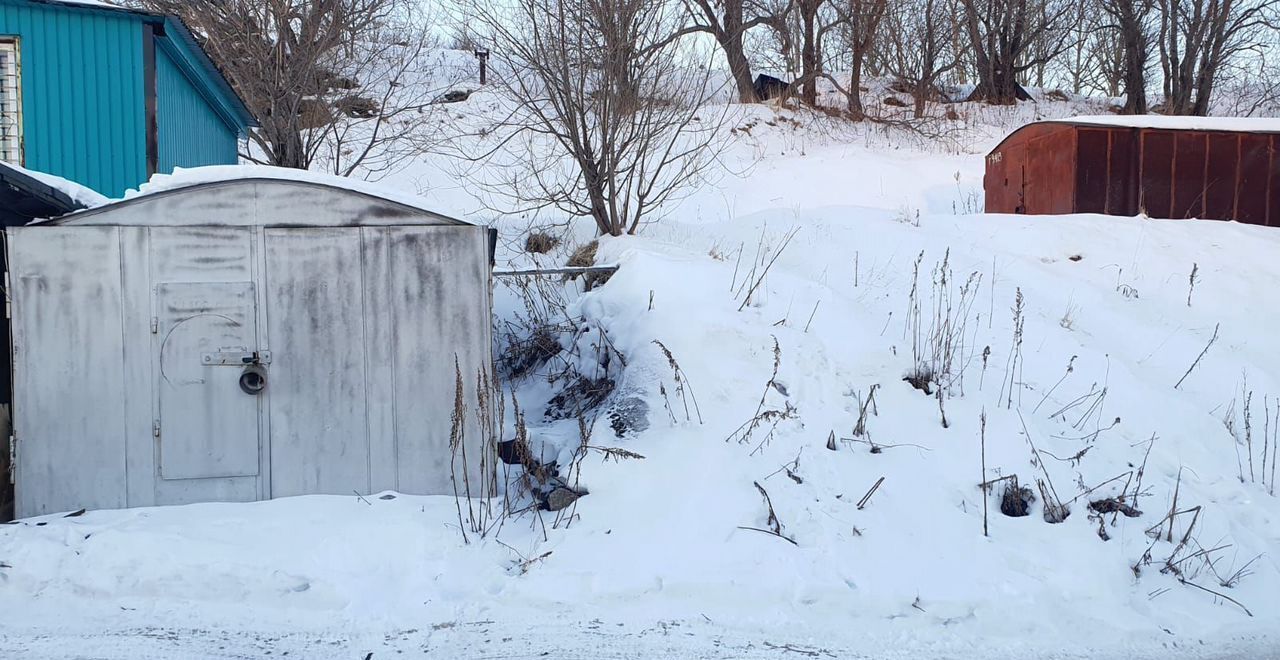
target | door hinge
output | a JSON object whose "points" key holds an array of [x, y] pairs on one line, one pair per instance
{"points": [[155, 325], [155, 428]]}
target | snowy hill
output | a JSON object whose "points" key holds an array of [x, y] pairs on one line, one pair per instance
{"points": [[796, 496]]}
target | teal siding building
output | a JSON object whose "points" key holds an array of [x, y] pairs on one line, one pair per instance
{"points": [[107, 96]]}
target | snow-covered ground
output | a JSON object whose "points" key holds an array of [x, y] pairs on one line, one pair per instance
{"points": [[666, 556]]}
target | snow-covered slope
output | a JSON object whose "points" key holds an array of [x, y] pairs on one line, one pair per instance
{"points": [[673, 555]]}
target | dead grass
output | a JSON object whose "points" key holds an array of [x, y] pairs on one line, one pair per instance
{"points": [[538, 242], [583, 256]]}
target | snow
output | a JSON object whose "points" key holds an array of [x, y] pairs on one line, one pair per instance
{"points": [[89, 3], [1240, 124], [79, 194], [185, 177], [656, 561]]}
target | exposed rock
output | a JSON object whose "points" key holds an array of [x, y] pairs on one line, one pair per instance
{"points": [[561, 497], [630, 415]]}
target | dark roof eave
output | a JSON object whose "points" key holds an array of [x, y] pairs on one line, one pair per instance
{"points": [[244, 115], [27, 198]]}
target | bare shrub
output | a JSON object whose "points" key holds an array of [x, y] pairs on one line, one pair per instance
{"points": [[607, 121]]}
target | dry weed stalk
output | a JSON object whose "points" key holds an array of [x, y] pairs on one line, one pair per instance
{"points": [[684, 390], [772, 416], [1195, 272], [938, 351], [761, 269], [982, 448], [1191, 368], [1013, 364], [860, 427], [872, 491], [1054, 510], [773, 523], [479, 499]]}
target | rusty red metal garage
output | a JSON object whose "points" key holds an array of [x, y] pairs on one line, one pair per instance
{"points": [[1166, 167]]}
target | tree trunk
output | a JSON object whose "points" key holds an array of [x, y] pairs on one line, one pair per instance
{"points": [[809, 53], [1135, 78], [921, 93], [739, 66], [998, 84], [855, 89], [1131, 16]]}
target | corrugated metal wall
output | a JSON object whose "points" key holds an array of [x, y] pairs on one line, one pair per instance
{"points": [[190, 132], [82, 107], [1055, 168]]}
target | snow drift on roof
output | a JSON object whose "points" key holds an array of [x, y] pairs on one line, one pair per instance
{"points": [[1237, 124], [185, 177], [84, 196], [89, 3]]}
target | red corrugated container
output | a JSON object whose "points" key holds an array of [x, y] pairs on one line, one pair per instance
{"points": [[1166, 167]]}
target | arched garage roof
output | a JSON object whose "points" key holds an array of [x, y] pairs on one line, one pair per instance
{"points": [[245, 195]]}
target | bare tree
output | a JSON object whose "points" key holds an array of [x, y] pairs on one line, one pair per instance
{"points": [[728, 22], [606, 122], [1198, 38], [807, 12], [1252, 87], [1104, 60], [858, 26], [919, 48], [335, 84], [1130, 22], [1010, 37]]}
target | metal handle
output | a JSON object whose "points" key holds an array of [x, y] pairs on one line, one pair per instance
{"points": [[253, 380]]}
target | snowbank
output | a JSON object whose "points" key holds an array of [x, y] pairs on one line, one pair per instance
{"points": [[667, 558]]}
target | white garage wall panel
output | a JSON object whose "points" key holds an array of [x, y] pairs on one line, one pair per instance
{"points": [[126, 338], [319, 439], [67, 366]]}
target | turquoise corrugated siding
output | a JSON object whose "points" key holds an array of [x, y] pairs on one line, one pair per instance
{"points": [[83, 104], [190, 132]]}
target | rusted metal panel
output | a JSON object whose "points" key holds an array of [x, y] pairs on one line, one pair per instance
{"points": [[1050, 172], [1220, 185], [1092, 170], [1122, 169], [1273, 187], [1007, 173], [1156, 178], [1189, 174], [1255, 165]]}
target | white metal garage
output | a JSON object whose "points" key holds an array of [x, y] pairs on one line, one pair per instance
{"points": [[242, 339]]}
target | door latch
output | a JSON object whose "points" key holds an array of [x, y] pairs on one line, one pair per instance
{"points": [[235, 358]]}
